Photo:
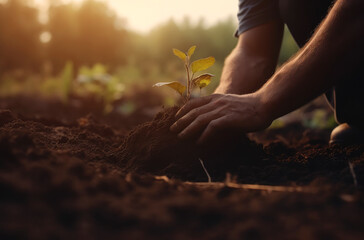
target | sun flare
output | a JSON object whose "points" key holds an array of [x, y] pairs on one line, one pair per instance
{"points": [[143, 15]]}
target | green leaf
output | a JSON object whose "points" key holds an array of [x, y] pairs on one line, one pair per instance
{"points": [[174, 85], [98, 69], [202, 64], [85, 71], [202, 80], [191, 51], [180, 54]]}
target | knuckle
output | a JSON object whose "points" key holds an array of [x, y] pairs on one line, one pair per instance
{"points": [[219, 102], [226, 99], [215, 95], [200, 119], [210, 131], [194, 112], [182, 121], [222, 101], [213, 124], [217, 124]]}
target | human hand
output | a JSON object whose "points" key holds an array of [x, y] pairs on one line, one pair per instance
{"points": [[220, 112]]}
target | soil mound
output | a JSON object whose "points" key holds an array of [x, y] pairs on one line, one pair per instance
{"points": [[153, 148]]}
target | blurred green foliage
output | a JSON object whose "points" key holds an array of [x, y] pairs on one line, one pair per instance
{"points": [[320, 120], [67, 76], [97, 81]]}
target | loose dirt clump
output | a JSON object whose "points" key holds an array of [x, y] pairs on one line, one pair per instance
{"points": [[153, 148]]}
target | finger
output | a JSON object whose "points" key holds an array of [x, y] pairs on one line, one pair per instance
{"points": [[194, 103], [212, 129], [186, 120], [199, 124]]}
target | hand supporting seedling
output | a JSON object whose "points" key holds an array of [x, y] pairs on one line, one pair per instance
{"points": [[191, 69]]}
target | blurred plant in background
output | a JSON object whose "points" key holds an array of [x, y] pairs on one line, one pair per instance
{"points": [[98, 82]]}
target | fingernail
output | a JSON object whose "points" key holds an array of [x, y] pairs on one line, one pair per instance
{"points": [[172, 127]]}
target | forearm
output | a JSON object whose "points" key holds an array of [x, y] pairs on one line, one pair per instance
{"points": [[244, 74], [253, 60], [335, 48]]}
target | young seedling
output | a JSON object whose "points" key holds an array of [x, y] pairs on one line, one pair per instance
{"points": [[201, 81], [191, 69]]}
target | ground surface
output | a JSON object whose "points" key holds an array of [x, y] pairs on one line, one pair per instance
{"points": [[68, 175]]}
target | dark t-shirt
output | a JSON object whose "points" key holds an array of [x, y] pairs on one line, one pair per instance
{"points": [[253, 13]]}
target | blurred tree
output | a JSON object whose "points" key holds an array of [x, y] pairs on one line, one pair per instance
{"points": [[101, 34], [217, 41], [19, 39], [63, 28], [222, 38], [87, 34], [165, 37]]}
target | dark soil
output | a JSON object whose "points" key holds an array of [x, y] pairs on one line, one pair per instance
{"points": [[53, 111], [83, 178]]}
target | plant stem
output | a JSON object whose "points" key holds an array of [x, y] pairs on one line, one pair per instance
{"points": [[188, 80]]}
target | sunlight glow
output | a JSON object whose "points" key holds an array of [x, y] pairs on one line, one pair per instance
{"points": [[45, 37], [143, 15]]}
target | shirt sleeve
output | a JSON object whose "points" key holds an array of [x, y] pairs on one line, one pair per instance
{"points": [[253, 13]]}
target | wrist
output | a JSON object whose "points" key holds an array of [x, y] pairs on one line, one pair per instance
{"points": [[262, 108], [227, 88]]}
